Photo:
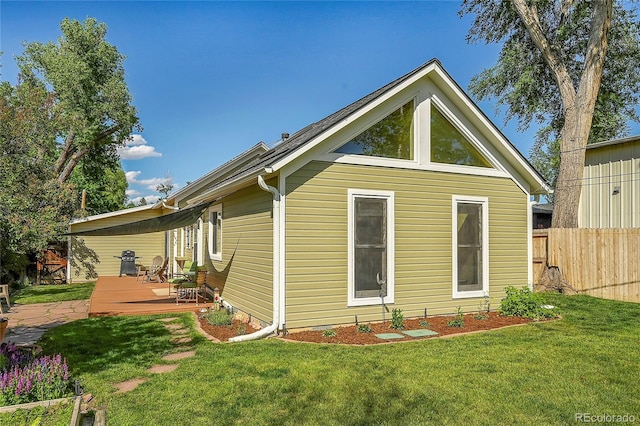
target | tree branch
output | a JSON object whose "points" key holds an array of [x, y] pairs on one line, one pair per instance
{"points": [[68, 146], [529, 17], [72, 163]]}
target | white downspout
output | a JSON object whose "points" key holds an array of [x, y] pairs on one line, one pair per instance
{"points": [[276, 268]]}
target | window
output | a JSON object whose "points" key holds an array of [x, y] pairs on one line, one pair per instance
{"points": [[449, 146], [391, 137], [470, 247], [371, 247], [215, 232]]}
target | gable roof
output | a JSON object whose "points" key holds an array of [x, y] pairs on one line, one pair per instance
{"points": [[286, 151]]}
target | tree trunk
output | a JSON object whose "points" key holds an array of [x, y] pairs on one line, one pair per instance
{"points": [[572, 153], [577, 122]]}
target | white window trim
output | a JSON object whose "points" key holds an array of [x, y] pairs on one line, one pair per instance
{"points": [[390, 197], [484, 202], [215, 214]]}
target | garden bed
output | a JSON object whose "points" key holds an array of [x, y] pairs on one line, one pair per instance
{"points": [[351, 336], [225, 332]]}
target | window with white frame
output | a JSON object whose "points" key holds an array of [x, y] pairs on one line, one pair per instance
{"points": [[215, 232], [470, 246], [391, 137], [371, 247]]}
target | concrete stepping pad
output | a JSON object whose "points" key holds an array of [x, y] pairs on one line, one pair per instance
{"points": [[179, 355], [174, 327], [129, 385], [420, 333], [181, 340], [168, 319], [165, 368], [388, 336]]}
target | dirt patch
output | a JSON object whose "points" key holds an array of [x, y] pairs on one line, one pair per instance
{"points": [[225, 332], [351, 336]]}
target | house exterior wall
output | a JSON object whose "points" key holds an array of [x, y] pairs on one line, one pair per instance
{"points": [[317, 228], [244, 275], [146, 246], [611, 187]]}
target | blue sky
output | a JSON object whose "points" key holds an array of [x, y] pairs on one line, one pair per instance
{"points": [[211, 79]]}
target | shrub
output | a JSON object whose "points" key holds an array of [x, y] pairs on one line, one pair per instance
{"points": [[524, 303], [425, 323], [364, 328], [397, 319], [458, 321], [28, 379], [329, 332], [221, 317]]}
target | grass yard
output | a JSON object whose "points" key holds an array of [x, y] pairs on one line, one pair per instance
{"points": [[53, 293], [542, 373]]}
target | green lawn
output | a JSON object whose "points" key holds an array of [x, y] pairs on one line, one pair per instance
{"points": [[53, 293], [542, 373]]}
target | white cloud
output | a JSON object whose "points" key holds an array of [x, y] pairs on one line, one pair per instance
{"points": [[151, 183], [150, 199], [132, 193], [136, 148]]}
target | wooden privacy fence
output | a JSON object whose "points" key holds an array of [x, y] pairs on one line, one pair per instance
{"points": [[600, 262]]}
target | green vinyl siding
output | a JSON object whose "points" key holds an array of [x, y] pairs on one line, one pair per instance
{"points": [[317, 252], [245, 275], [99, 252]]}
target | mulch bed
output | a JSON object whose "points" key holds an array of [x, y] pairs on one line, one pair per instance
{"points": [[351, 336], [225, 332]]}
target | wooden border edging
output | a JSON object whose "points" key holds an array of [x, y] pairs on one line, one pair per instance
{"points": [[29, 405], [76, 417]]}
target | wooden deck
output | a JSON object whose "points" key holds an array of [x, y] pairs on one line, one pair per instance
{"points": [[126, 296]]}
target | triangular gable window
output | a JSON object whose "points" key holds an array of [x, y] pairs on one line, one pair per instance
{"points": [[391, 137], [449, 146]]}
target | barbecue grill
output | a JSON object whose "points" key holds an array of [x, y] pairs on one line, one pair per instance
{"points": [[128, 263]]}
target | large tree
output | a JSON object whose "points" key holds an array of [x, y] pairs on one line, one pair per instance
{"points": [[571, 66], [92, 101], [69, 107]]}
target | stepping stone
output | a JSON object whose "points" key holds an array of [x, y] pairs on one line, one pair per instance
{"points": [[174, 327], [181, 340], [420, 333], [165, 368], [129, 385], [180, 355], [388, 336], [167, 319]]}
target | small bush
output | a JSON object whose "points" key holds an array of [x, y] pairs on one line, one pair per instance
{"points": [[524, 303], [458, 321], [329, 332], [364, 328], [241, 330], [221, 317], [425, 323], [397, 319]]}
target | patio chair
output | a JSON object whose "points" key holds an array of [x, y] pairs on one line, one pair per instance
{"points": [[143, 271], [4, 293], [158, 273], [192, 291], [188, 273]]}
